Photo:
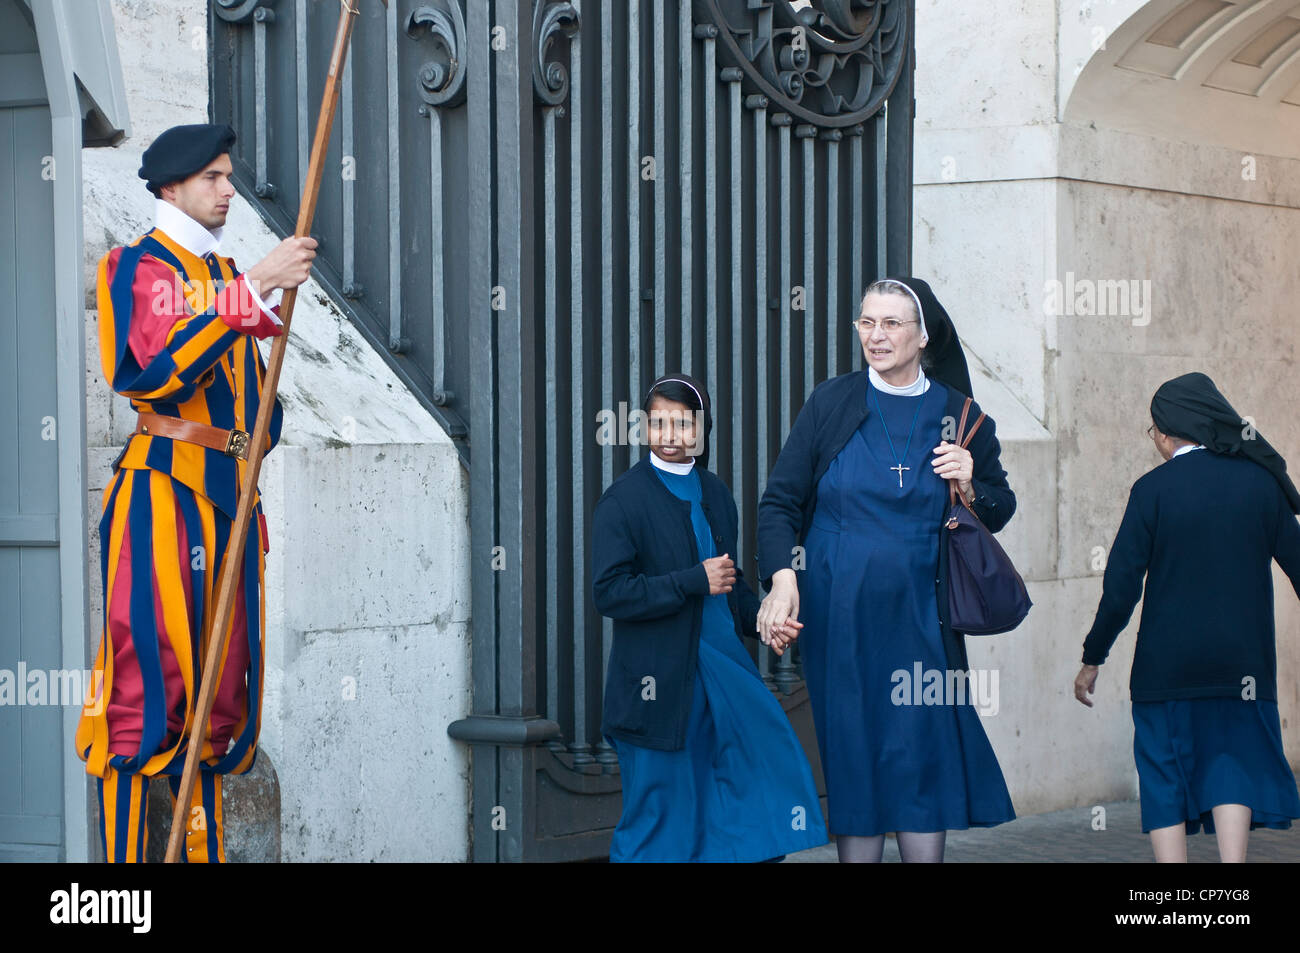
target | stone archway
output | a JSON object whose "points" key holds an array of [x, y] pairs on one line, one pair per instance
{"points": [[1091, 144], [1218, 72]]}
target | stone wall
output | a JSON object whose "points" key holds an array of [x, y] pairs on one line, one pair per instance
{"points": [[1011, 196]]}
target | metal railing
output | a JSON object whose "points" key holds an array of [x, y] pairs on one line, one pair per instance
{"points": [[543, 205]]}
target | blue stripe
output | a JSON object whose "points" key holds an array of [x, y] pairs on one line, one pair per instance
{"points": [[252, 618], [159, 456], [121, 294], [127, 373], [252, 386], [143, 826], [122, 829], [221, 400], [162, 253], [144, 628], [277, 421], [221, 484], [194, 533], [195, 370], [103, 831], [106, 537], [174, 782]]}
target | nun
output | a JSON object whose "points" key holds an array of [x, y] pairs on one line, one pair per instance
{"points": [[849, 545], [711, 767], [1203, 528]]}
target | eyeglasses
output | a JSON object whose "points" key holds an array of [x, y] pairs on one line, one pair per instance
{"points": [[1151, 431], [867, 325]]}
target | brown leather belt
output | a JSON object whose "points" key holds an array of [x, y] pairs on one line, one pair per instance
{"points": [[233, 443]]}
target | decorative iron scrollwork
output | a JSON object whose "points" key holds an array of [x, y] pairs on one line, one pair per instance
{"points": [[442, 80], [239, 11], [828, 62], [550, 19]]}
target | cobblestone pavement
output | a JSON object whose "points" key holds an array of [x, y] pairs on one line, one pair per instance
{"points": [[1067, 837]]}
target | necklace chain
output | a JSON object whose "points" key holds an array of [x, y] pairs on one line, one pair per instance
{"points": [[897, 460]]}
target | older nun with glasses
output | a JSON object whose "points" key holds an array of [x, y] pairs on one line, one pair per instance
{"points": [[849, 546]]}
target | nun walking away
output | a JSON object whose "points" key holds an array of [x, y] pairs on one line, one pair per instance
{"points": [[861, 486], [1203, 528], [711, 767]]}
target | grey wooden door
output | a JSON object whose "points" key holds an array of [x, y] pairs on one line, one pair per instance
{"points": [[31, 738]]}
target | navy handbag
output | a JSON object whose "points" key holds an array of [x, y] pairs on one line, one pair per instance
{"points": [[986, 595]]}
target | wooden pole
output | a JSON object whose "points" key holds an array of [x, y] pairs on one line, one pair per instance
{"points": [[234, 559]]}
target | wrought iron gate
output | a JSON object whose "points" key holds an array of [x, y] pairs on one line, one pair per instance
{"points": [[543, 205]]}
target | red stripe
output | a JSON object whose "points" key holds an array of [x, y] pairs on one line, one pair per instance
{"points": [[126, 704]]}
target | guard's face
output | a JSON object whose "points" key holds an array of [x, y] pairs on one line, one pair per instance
{"points": [[885, 349], [205, 196], [671, 430]]}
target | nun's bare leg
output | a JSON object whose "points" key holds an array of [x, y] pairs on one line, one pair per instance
{"points": [[1232, 830], [914, 848], [1170, 844], [854, 849]]}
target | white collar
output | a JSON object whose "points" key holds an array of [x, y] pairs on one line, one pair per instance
{"points": [[667, 465], [195, 238], [1186, 448], [918, 386]]}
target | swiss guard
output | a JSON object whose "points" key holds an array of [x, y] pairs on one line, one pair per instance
{"points": [[177, 322]]}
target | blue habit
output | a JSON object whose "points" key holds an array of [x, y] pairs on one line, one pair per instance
{"points": [[740, 789], [1194, 754], [897, 755]]}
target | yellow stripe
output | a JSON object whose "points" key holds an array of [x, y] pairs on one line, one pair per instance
{"points": [[107, 323], [211, 578], [200, 344], [110, 814], [134, 820], [93, 730], [251, 710]]}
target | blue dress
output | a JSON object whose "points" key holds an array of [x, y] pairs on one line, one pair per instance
{"points": [[740, 789], [1194, 754], [897, 755]]}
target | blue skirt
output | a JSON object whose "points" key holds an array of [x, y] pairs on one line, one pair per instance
{"points": [[740, 789], [1195, 754]]}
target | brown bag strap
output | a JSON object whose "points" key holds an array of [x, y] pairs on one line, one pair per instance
{"points": [[971, 432], [963, 440]]}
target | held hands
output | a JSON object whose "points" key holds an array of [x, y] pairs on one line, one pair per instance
{"points": [[778, 615], [722, 577], [1085, 683], [955, 463], [287, 266]]}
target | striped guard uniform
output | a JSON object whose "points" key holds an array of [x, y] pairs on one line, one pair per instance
{"points": [[176, 329]]}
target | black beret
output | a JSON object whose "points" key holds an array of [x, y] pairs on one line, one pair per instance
{"points": [[183, 150]]}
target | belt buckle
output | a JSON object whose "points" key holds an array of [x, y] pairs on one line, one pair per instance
{"points": [[237, 444]]}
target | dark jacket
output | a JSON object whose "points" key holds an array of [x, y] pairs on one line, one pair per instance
{"points": [[1204, 529], [647, 575], [831, 415]]}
